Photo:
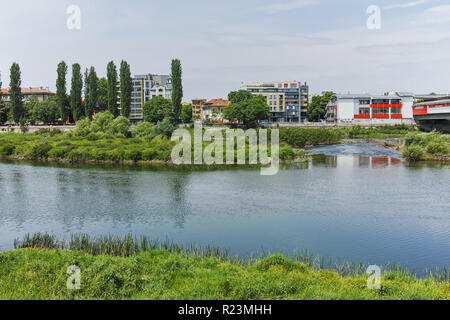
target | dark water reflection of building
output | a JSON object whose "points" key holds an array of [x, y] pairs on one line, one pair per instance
{"points": [[355, 161]]}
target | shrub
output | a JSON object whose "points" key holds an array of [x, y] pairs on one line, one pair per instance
{"points": [[286, 153], [102, 121], [149, 154], [414, 153], [39, 150], [59, 152], [435, 148], [164, 128], [143, 129], [7, 149], [83, 127], [121, 125], [133, 154]]}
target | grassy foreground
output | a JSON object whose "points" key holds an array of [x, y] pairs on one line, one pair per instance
{"points": [[115, 268]]}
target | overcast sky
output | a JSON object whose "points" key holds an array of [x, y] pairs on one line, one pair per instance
{"points": [[325, 43]]}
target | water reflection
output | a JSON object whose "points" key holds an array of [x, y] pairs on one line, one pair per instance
{"points": [[355, 161]]}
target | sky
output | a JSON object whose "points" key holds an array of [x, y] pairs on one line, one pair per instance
{"points": [[221, 44]]}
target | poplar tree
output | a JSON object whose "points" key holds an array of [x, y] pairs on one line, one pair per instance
{"points": [[17, 110], [125, 89], [91, 100], [177, 88], [76, 102], [112, 89], [61, 94]]}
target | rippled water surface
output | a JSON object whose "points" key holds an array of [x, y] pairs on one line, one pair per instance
{"points": [[355, 202]]}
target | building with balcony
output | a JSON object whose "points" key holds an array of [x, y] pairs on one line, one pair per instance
{"points": [[40, 93], [213, 110], [144, 88], [390, 108], [197, 105], [288, 100]]}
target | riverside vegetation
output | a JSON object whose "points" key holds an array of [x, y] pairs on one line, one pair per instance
{"points": [[127, 268], [427, 146], [106, 139]]}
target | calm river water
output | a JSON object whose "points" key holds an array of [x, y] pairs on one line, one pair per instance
{"points": [[353, 202]]}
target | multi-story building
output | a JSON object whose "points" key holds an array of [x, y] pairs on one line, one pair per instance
{"points": [[145, 87], [288, 100], [213, 109], [390, 108], [197, 105], [41, 94]]}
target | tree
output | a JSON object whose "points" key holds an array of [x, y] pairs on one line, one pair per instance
{"points": [[157, 109], [61, 93], [17, 110], [46, 111], [239, 96], [92, 88], [317, 108], [102, 98], [4, 108], [125, 89], [186, 115], [248, 111], [76, 102], [112, 89], [177, 89]]}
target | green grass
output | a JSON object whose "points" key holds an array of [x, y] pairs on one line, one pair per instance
{"points": [[113, 268], [427, 146]]}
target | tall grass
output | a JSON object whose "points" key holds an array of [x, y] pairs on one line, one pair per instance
{"points": [[129, 246]]}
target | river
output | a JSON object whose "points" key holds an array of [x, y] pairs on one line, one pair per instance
{"points": [[351, 202]]}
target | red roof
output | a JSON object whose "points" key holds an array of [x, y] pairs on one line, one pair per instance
{"points": [[217, 103]]}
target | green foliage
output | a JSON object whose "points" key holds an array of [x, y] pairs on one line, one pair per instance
{"points": [[423, 146], [46, 111], [248, 112], [187, 114], [102, 98], [300, 137], [83, 127], [125, 89], [127, 268], [102, 121], [76, 101], [414, 153], [239, 96], [177, 89], [112, 89], [164, 128], [119, 126], [157, 109], [91, 92], [317, 108], [17, 111], [4, 110], [61, 94], [143, 129]]}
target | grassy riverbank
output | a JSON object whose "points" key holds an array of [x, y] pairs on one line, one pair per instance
{"points": [[125, 269], [427, 146], [106, 140]]}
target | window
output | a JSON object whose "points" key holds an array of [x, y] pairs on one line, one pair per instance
{"points": [[396, 110]]}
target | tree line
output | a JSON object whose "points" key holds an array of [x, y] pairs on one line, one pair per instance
{"points": [[87, 92]]}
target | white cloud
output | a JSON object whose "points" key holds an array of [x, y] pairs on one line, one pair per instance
{"points": [[405, 5], [435, 15], [281, 6]]}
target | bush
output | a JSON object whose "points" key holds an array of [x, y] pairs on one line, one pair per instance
{"points": [[143, 129], [286, 153], [149, 154], [133, 154], [164, 128], [83, 128], [435, 148], [102, 121], [7, 149], [39, 150], [121, 125], [414, 153], [59, 152]]}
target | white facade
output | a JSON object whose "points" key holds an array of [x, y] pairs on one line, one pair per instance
{"points": [[392, 108]]}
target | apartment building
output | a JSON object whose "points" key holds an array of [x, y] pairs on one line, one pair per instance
{"points": [[390, 108], [288, 100], [197, 105], [40, 93], [145, 87]]}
